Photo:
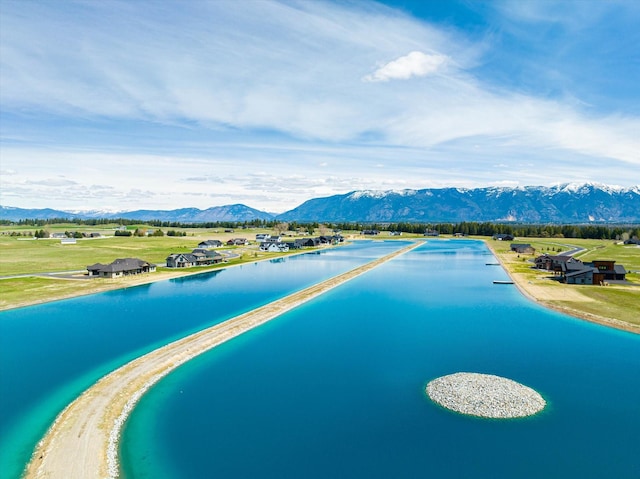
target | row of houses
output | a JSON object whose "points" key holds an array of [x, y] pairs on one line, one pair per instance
{"points": [[203, 255], [574, 271]]}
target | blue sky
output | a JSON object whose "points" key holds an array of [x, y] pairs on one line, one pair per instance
{"points": [[169, 104]]}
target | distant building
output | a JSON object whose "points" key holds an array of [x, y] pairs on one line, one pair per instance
{"points": [[210, 244], [503, 237], [238, 242], [523, 248]]}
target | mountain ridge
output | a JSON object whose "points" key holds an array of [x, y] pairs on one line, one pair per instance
{"points": [[563, 203]]}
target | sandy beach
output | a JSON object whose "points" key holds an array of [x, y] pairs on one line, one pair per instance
{"points": [[83, 440]]}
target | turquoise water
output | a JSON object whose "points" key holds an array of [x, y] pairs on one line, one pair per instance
{"points": [[335, 388], [50, 353]]}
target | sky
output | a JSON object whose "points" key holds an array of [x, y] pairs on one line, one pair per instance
{"points": [[119, 105]]}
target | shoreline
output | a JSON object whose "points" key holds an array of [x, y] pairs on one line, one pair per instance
{"points": [[528, 292], [83, 440], [113, 284]]}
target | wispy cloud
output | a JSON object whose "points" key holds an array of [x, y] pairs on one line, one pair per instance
{"points": [[414, 64]]}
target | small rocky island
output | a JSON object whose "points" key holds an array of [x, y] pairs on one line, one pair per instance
{"points": [[485, 395]]}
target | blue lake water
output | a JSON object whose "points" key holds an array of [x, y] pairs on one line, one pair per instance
{"points": [[50, 353], [335, 388]]}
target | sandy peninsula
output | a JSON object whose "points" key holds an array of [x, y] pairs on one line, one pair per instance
{"points": [[83, 440]]}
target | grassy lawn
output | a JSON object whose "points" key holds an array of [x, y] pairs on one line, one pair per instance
{"points": [[18, 292]]}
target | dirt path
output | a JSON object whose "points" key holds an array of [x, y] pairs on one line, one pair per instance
{"points": [[83, 440]]}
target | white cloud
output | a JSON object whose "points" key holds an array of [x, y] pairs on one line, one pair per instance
{"points": [[414, 64]]}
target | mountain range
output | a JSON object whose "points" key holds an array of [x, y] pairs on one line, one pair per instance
{"points": [[566, 203]]}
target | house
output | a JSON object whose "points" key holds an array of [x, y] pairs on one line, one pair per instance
{"points": [[586, 275], [575, 272], [58, 235], [395, 233], [237, 242], [327, 240], [335, 239], [555, 263], [371, 232], [210, 244], [274, 246], [121, 267], [523, 248], [431, 233], [635, 241], [260, 237], [306, 243], [503, 237], [198, 257], [181, 260], [609, 270]]}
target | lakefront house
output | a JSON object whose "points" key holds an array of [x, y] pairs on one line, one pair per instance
{"points": [[121, 267], [574, 271], [198, 257]]}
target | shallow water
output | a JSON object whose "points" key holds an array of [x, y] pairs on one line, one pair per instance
{"points": [[335, 388], [50, 353]]}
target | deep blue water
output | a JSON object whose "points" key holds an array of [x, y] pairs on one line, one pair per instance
{"points": [[335, 388], [50, 353]]}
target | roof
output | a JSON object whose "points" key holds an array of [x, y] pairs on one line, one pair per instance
{"points": [[120, 265], [582, 271]]}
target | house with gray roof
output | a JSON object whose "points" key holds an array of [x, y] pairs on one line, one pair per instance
{"points": [[121, 267]]}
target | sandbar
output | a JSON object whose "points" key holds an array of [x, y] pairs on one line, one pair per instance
{"points": [[83, 440]]}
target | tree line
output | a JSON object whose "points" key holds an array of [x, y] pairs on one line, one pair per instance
{"points": [[600, 231]]}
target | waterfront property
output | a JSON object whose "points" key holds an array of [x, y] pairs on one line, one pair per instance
{"points": [[198, 257], [274, 246], [574, 271], [121, 267]]}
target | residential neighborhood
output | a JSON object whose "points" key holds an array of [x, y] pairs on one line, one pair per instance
{"points": [[205, 254]]}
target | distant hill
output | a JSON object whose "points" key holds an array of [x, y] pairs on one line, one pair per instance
{"points": [[231, 213], [568, 203]]}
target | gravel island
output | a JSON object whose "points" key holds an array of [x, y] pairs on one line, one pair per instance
{"points": [[485, 395]]}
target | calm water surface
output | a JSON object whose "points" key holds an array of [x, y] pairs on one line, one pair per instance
{"points": [[335, 388], [50, 353]]}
